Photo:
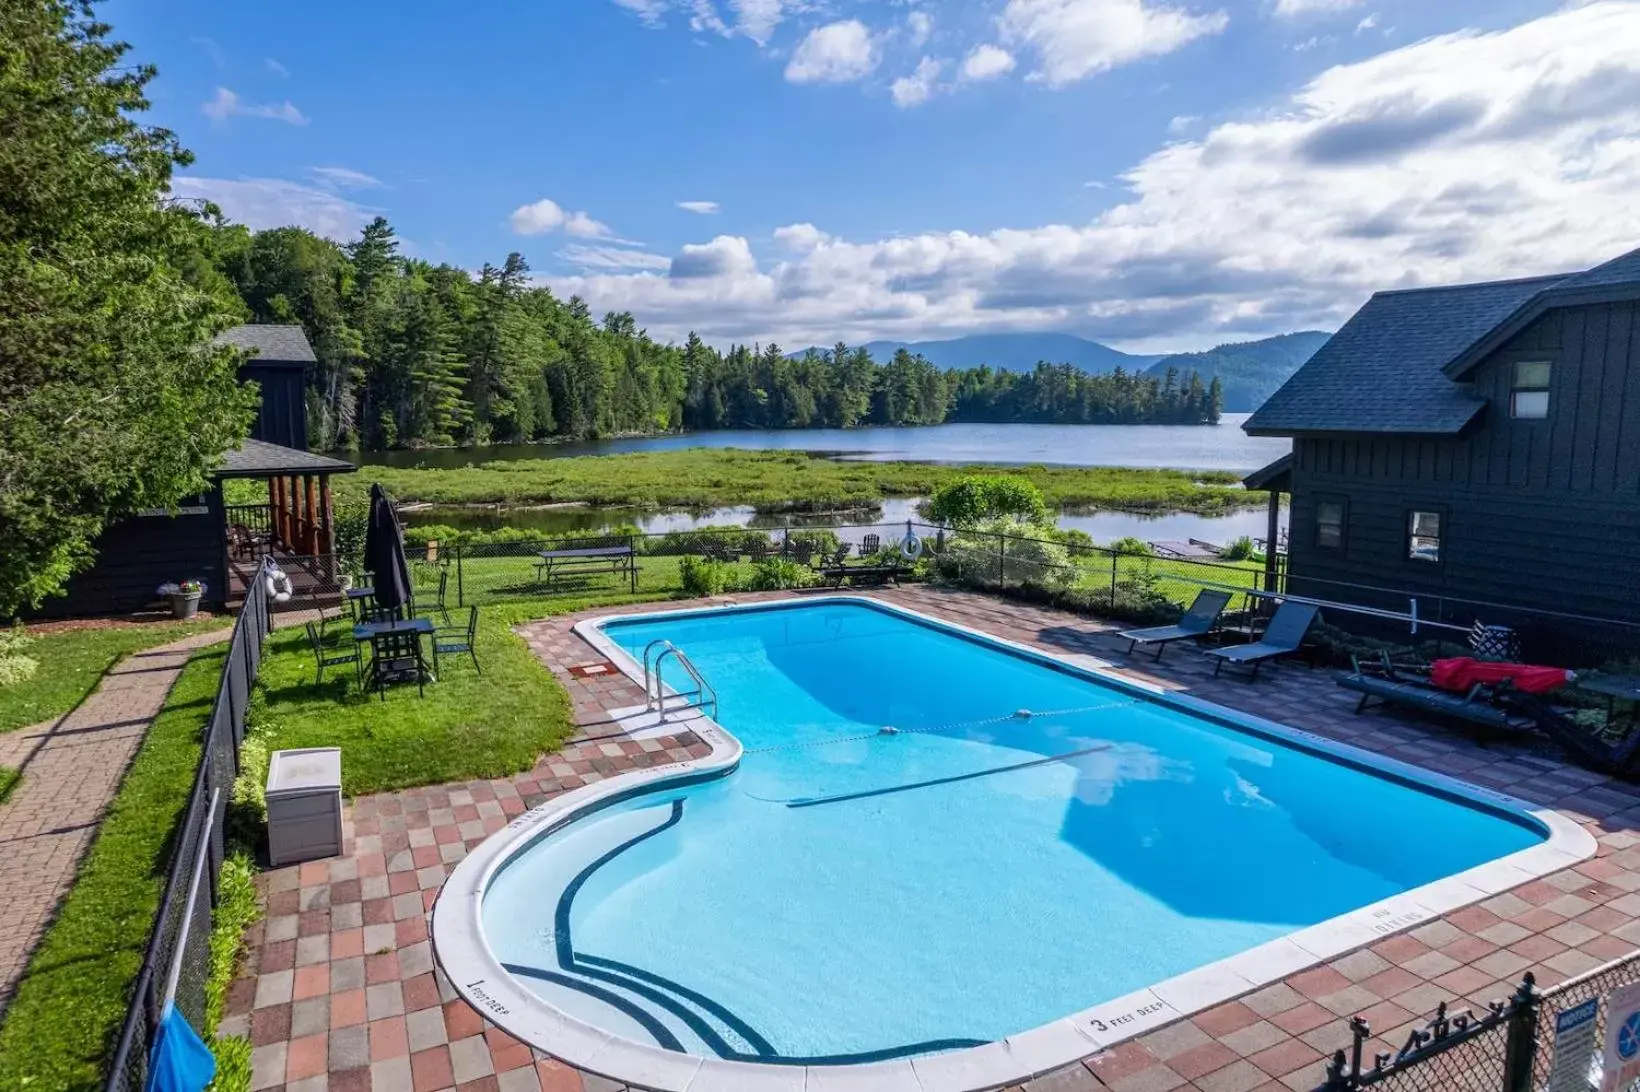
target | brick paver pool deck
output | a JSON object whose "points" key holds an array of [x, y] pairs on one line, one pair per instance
{"points": [[341, 992], [72, 767]]}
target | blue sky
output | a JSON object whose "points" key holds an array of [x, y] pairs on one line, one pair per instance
{"points": [[1154, 174]]}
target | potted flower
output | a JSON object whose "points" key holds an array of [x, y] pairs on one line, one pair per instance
{"points": [[184, 597]]}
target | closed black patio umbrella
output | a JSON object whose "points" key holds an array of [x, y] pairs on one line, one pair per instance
{"points": [[384, 552]]}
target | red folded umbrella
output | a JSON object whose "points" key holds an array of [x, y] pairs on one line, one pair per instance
{"points": [[1460, 673]]}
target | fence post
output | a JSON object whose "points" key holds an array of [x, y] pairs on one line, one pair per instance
{"points": [[461, 595], [1520, 1052], [632, 568], [1002, 560], [1113, 580]]}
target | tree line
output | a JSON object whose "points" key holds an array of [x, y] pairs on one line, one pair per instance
{"points": [[413, 354]]}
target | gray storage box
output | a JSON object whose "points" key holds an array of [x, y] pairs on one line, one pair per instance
{"points": [[304, 804]]}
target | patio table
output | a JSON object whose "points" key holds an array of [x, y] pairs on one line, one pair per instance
{"points": [[385, 668], [1613, 688]]}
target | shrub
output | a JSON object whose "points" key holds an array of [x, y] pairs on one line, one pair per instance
{"points": [[980, 497], [350, 519], [778, 574], [1132, 547], [702, 577], [15, 667], [1009, 550], [1242, 549]]}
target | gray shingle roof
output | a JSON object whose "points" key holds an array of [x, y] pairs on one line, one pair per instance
{"points": [[259, 459], [1388, 369], [1382, 371], [286, 344], [1621, 270]]}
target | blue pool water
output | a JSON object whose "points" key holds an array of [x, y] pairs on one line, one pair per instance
{"points": [[847, 894]]}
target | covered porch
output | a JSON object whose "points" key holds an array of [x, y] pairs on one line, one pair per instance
{"points": [[295, 524], [1276, 480]]}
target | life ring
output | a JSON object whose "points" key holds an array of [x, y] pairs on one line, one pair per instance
{"points": [[911, 547], [278, 584]]}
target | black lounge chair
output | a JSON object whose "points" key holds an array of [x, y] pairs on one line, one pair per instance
{"points": [[1197, 622], [1282, 637], [1392, 685]]}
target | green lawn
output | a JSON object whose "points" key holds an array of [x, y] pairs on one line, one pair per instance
{"points": [[8, 781], [61, 1026], [71, 663], [779, 481]]}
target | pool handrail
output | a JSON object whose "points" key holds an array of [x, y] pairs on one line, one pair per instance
{"points": [[654, 687]]}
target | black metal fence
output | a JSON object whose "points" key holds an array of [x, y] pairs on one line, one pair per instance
{"points": [[176, 965], [1066, 570], [1509, 1047]]}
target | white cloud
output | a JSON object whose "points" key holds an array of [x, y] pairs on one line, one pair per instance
{"points": [[1074, 39], [1463, 157], [987, 62], [757, 19], [835, 53], [650, 11], [921, 26], [272, 65], [345, 178], [582, 226], [261, 203], [915, 89], [612, 257], [1367, 23], [724, 258], [800, 238], [1182, 124], [546, 216], [1291, 8], [226, 104], [704, 208]]}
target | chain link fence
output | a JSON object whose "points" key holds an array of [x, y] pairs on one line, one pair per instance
{"points": [[1511, 1046], [176, 966]]}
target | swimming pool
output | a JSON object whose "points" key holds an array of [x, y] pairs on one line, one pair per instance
{"points": [[914, 846]]}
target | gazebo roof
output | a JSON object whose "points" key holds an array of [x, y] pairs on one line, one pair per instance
{"points": [[259, 459]]}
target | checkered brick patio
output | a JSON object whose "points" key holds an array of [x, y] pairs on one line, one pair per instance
{"points": [[341, 993]]}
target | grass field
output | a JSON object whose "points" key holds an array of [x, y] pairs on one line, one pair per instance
{"points": [[778, 481], [72, 662], [8, 781], [60, 1027]]}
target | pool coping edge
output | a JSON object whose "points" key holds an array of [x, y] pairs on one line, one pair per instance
{"points": [[461, 950]]}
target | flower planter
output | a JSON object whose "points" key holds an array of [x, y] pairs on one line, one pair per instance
{"points": [[185, 604]]}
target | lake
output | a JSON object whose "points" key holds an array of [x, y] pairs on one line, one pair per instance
{"points": [[1189, 447], [1103, 526]]}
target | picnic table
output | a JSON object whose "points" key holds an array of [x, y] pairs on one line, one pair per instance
{"points": [[558, 564]]}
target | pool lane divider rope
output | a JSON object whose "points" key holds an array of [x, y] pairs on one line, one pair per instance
{"points": [[953, 726], [816, 801]]}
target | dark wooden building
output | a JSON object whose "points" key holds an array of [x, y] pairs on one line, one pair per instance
{"points": [[1475, 447], [206, 539]]}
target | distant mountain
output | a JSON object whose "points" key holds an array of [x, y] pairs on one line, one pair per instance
{"points": [[1250, 370], [1014, 352]]}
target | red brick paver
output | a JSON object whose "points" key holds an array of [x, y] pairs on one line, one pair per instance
{"points": [[372, 903], [71, 767]]}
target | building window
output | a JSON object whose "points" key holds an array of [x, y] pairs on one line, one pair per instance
{"points": [[1424, 536], [1329, 525], [1529, 393]]}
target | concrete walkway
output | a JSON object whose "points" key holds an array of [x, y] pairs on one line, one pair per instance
{"points": [[71, 768]]}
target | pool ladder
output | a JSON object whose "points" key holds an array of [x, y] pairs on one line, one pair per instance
{"points": [[655, 696]]}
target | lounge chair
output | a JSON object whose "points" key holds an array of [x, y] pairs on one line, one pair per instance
{"points": [[1282, 637], [1198, 621], [1392, 685]]}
